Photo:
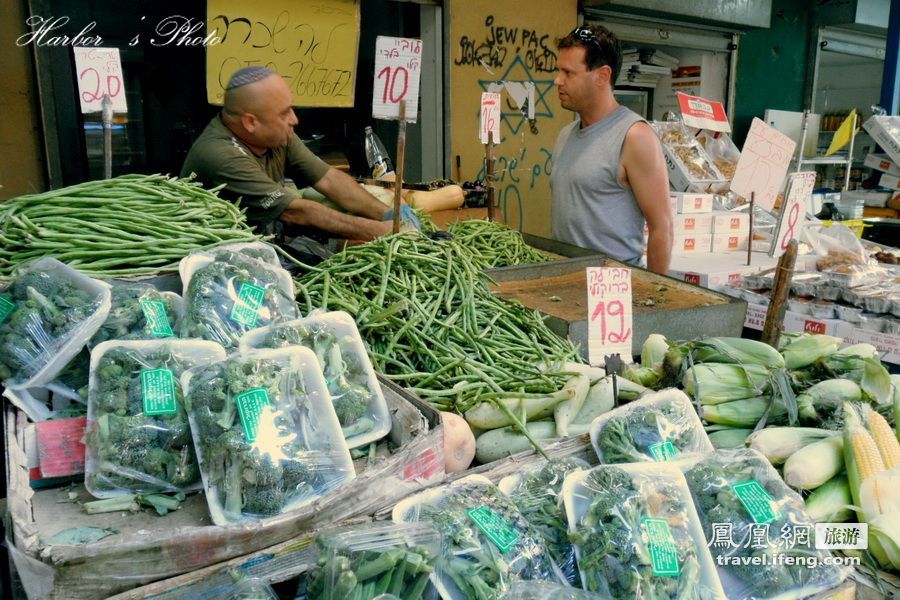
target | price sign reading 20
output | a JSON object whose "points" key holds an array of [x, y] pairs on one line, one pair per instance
{"points": [[99, 73], [397, 64], [609, 313]]}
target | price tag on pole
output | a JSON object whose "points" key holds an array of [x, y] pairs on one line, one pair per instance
{"points": [[397, 65], [609, 313], [490, 117], [793, 211], [99, 72]]}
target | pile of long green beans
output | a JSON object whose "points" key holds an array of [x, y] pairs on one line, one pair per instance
{"points": [[130, 225], [432, 324], [493, 244]]}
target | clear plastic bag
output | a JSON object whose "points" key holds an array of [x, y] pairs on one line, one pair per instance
{"points": [[366, 561], [721, 151], [546, 590], [266, 433], [138, 436], [139, 312], [489, 543], [537, 494], [352, 383], [227, 293], [637, 535], [747, 511], [250, 588], [689, 151], [47, 313], [658, 427], [836, 246]]}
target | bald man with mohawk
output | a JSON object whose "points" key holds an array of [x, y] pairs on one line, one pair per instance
{"points": [[251, 147]]}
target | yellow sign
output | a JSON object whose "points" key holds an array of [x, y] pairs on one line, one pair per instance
{"points": [[313, 45], [843, 134]]}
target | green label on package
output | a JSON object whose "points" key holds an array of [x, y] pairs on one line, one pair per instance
{"points": [[250, 298], [663, 451], [663, 553], [158, 392], [7, 306], [756, 501], [250, 405], [157, 318], [501, 533]]}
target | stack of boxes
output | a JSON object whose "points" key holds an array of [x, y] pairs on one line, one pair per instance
{"points": [[701, 230]]}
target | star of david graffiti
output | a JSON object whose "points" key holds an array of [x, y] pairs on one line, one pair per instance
{"points": [[517, 71]]}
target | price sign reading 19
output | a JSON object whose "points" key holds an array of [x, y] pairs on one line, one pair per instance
{"points": [[609, 313], [397, 64]]}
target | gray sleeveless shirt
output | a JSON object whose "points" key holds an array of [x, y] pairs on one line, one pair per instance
{"points": [[591, 208]]}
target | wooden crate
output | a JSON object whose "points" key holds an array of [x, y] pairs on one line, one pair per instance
{"points": [[148, 548]]}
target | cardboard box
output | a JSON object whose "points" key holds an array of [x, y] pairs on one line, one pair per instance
{"points": [[881, 162], [799, 323], [889, 181], [886, 131], [690, 203], [713, 281], [695, 224], [730, 242], [724, 221], [692, 244]]}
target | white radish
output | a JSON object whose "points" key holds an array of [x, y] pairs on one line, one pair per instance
{"points": [[565, 411]]}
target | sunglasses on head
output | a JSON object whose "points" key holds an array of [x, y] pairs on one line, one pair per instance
{"points": [[584, 34]]}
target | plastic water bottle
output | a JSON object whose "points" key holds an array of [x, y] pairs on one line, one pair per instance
{"points": [[377, 156]]}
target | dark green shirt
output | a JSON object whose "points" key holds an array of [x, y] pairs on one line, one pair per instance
{"points": [[218, 157]]}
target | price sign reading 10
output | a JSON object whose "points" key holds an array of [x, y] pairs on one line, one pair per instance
{"points": [[397, 65], [609, 313]]}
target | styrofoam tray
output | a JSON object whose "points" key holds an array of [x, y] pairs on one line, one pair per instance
{"points": [[344, 328], [577, 500]]}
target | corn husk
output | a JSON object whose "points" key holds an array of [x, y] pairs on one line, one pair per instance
{"points": [[653, 352], [737, 351], [729, 438], [884, 540], [813, 465], [778, 443], [744, 413], [816, 402], [714, 383], [644, 376], [805, 349], [831, 502]]}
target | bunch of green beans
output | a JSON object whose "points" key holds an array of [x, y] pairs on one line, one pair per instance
{"points": [[493, 244], [432, 324], [130, 225]]}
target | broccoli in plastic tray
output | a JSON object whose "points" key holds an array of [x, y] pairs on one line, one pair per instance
{"points": [[365, 561], [352, 383], [749, 516], [139, 440], [658, 427], [488, 542], [140, 312], [537, 493], [266, 434], [637, 535], [47, 313], [228, 292]]}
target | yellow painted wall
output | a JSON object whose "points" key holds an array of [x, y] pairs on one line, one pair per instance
{"points": [[509, 41], [21, 154]]}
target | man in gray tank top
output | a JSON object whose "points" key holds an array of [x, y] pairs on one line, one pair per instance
{"points": [[609, 175]]}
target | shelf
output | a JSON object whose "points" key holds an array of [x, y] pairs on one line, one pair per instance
{"points": [[829, 160]]}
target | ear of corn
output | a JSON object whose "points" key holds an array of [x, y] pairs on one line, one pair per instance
{"points": [[653, 352], [644, 376], [778, 443], [804, 350], [737, 351], [713, 383], [813, 465], [742, 413], [729, 438], [884, 540], [884, 437], [826, 396], [895, 384], [831, 502], [861, 457]]}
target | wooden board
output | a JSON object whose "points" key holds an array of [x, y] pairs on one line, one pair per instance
{"points": [[565, 296], [508, 41]]}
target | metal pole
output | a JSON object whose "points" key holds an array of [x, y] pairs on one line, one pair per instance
{"points": [[401, 150], [489, 174], [107, 113], [890, 78]]}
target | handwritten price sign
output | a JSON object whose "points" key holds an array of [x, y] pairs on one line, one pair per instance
{"points": [[99, 73], [490, 116], [397, 65], [609, 313], [763, 164], [793, 212]]}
